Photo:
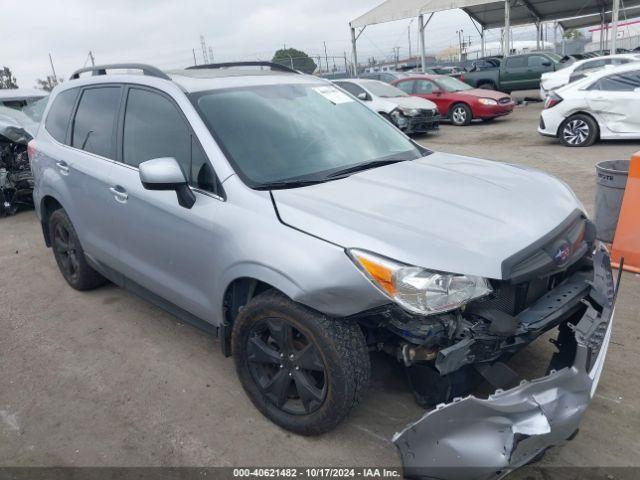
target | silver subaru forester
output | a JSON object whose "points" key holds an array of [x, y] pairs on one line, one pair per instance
{"points": [[277, 211]]}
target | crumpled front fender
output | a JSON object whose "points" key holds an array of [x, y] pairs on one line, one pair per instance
{"points": [[473, 438]]}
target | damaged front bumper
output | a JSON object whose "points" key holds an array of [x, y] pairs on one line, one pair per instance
{"points": [[487, 438]]}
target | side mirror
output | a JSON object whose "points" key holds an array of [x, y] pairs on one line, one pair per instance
{"points": [[363, 96], [165, 174], [546, 64]]}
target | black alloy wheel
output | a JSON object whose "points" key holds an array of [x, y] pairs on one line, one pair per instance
{"points": [[286, 366], [66, 252]]}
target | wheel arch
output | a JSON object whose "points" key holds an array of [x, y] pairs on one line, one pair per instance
{"points": [[243, 284], [48, 205]]}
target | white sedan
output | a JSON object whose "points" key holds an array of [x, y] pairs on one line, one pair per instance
{"points": [[604, 105], [553, 80], [412, 115]]}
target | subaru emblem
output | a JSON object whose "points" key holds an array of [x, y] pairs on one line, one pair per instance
{"points": [[562, 254]]}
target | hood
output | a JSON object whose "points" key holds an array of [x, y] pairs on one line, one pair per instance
{"points": [[483, 93], [16, 126], [442, 212], [413, 102]]}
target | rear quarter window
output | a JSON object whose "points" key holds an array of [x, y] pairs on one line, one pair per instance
{"points": [[59, 114]]}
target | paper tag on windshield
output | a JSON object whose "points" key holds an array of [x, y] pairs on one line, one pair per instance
{"points": [[333, 95]]}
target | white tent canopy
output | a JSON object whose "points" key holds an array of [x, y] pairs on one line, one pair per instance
{"points": [[489, 14]]}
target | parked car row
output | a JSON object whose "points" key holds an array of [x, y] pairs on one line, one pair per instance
{"points": [[416, 103]]}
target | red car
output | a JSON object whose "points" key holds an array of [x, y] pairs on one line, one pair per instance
{"points": [[456, 100]]}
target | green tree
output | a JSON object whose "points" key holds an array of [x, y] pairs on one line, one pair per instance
{"points": [[573, 34], [48, 83], [296, 58], [7, 79]]}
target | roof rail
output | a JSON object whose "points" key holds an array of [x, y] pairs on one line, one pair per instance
{"points": [[102, 70], [273, 66]]}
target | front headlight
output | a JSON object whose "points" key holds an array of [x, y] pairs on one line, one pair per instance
{"points": [[488, 101], [409, 112], [417, 289]]}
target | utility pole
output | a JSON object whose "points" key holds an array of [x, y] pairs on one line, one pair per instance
{"points": [[53, 70], [210, 57], [195, 62], [409, 38], [396, 55], [326, 58], [93, 61], [204, 49]]}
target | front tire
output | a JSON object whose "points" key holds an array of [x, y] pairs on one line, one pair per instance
{"points": [[460, 115], [578, 131], [302, 370], [69, 254]]}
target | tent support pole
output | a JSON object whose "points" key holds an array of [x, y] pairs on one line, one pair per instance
{"points": [[614, 28], [354, 50], [422, 25], [423, 60], [506, 47]]}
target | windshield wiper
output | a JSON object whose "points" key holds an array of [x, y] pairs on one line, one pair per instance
{"points": [[363, 166], [287, 184]]}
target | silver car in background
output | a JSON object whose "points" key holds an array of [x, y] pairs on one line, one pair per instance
{"points": [[279, 212], [412, 115]]}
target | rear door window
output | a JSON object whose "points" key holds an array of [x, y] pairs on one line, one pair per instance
{"points": [[516, 62], [95, 120], [621, 82], [57, 121], [406, 86]]}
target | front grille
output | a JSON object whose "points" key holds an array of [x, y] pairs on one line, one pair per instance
{"points": [[513, 299]]}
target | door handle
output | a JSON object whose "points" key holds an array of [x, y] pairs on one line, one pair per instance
{"points": [[119, 193], [63, 167]]}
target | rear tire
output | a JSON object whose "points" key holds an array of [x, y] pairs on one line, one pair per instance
{"points": [[460, 115], [578, 130], [69, 254], [306, 393]]}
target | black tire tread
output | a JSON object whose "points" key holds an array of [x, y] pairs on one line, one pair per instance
{"points": [[344, 337], [88, 279]]}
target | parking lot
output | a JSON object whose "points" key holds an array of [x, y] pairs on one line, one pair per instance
{"points": [[106, 379]]}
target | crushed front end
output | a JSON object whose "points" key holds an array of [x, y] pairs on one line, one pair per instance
{"points": [[562, 283], [16, 179], [487, 438], [416, 121]]}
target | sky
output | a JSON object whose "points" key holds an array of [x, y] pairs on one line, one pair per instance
{"points": [[165, 32]]}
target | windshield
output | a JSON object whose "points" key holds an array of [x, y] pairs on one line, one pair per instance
{"points": [[384, 90], [450, 84], [555, 57], [278, 133]]}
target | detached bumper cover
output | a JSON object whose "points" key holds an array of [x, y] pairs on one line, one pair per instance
{"points": [[487, 438]]}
